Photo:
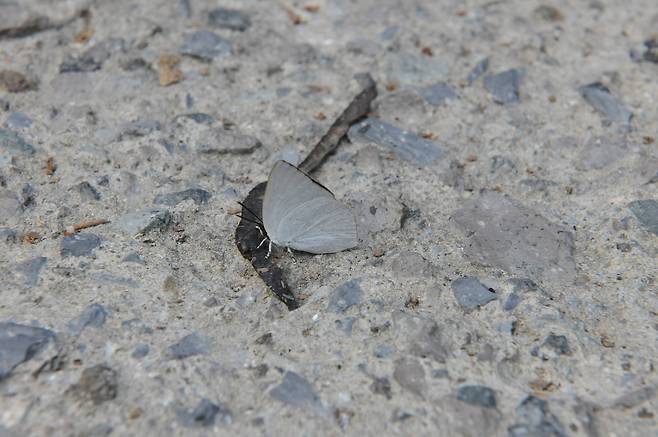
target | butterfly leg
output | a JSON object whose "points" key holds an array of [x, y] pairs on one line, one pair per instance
{"points": [[292, 255], [261, 243], [269, 249]]}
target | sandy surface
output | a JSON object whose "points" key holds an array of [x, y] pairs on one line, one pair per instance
{"points": [[505, 191]]}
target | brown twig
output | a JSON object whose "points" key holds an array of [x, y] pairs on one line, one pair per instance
{"points": [[70, 230]]}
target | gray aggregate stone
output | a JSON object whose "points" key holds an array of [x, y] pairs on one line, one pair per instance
{"points": [[30, 269], [410, 374], [198, 195], [92, 316], [405, 144], [516, 239], [205, 414], [438, 93], [471, 293], [599, 96], [229, 19], [12, 142], [646, 212], [296, 391], [143, 222], [190, 345], [535, 419], [18, 120], [20, 343], [504, 87], [82, 244], [140, 351], [98, 384], [477, 395], [206, 45], [477, 71], [346, 296]]}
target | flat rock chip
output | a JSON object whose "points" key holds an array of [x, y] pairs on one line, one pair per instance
{"points": [[471, 293], [505, 234], [206, 45], [297, 392], [229, 19], [646, 212], [20, 343], [504, 87], [612, 108], [12, 142]]}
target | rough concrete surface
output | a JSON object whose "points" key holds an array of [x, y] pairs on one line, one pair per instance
{"points": [[505, 187]]}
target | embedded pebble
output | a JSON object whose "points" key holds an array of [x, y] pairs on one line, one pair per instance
{"points": [[197, 195], [205, 414], [409, 373], [12, 142], [206, 45], [141, 222], [93, 316], [471, 293], [438, 94], [346, 296], [504, 87], [18, 120], [477, 395], [599, 96], [82, 244], [20, 343], [296, 391], [646, 211], [15, 82], [535, 419], [505, 234], [29, 269], [190, 345], [477, 71], [97, 384], [229, 19], [405, 144]]}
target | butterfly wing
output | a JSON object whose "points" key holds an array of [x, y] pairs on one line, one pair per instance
{"points": [[301, 214]]}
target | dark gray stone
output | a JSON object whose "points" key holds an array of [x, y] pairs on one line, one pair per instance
{"points": [[205, 414], [471, 293], [206, 45], [134, 257], [191, 344], [651, 50], [507, 235], [346, 324], [87, 191], [438, 93], [82, 244], [229, 19], [98, 384], [20, 343], [599, 96], [30, 269], [477, 71], [139, 128], [140, 351], [198, 195], [535, 420], [382, 386], [646, 212], [346, 296], [409, 373], [12, 142], [405, 144], [558, 343], [504, 87], [199, 117], [18, 120], [383, 351], [92, 59], [8, 236], [142, 222], [297, 392], [427, 342], [512, 301], [477, 395], [94, 315]]}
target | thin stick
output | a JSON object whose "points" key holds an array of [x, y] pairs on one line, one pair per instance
{"points": [[70, 230], [328, 143]]}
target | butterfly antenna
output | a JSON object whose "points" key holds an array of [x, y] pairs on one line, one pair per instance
{"points": [[251, 212], [247, 219]]}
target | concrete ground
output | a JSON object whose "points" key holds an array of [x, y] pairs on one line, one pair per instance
{"points": [[505, 186]]}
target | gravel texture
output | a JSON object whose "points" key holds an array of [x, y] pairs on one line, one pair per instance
{"points": [[505, 185]]}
